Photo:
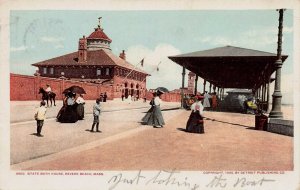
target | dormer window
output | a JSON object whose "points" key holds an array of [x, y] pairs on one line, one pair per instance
{"points": [[107, 71]]}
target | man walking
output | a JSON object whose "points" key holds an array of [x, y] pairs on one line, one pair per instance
{"points": [[96, 113], [40, 117]]}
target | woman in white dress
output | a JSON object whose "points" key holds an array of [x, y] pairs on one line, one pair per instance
{"points": [[206, 103]]}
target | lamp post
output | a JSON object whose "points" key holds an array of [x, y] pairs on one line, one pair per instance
{"points": [[196, 83], [182, 85], [276, 102]]}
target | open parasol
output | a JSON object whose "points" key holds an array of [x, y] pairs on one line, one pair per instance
{"points": [[74, 89], [162, 90]]}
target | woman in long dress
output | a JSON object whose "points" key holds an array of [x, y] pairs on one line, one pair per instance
{"points": [[68, 113], [154, 116], [80, 107], [195, 122], [206, 103]]}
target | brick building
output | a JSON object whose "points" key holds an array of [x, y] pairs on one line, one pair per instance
{"points": [[94, 62], [190, 89]]}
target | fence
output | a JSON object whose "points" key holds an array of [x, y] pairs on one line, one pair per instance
{"points": [[167, 97], [23, 87]]}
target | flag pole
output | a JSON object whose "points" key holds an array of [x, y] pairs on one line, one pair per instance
{"points": [[133, 68], [152, 71]]}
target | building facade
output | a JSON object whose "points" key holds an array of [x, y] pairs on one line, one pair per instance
{"points": [[94, 62], [190, 89]]}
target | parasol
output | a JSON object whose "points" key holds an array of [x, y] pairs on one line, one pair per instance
{"points": [[74, 89], [162, 90]]}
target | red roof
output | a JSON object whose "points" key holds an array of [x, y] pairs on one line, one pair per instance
{"points": [[99, 34], [94, 58]]}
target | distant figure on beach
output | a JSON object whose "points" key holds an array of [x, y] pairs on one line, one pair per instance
{"points": [[40, 116], [154, 116], [195, 122], [206, 103], [104, 97], [80, 107], [123, 96], [96, 114]]}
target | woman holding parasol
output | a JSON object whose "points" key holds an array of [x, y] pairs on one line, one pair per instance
{"points": [[154, 116]]}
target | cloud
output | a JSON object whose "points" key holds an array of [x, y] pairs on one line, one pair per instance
{"points": [[56, 42], [20, 48], [254, 38], [59, 46], [169, 74], [51, 39], [222, 41]]}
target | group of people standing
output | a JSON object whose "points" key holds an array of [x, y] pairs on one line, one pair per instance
{"points": [[72, 109], [210, 101], [130, 97]]}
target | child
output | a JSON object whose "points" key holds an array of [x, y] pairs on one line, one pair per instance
{"points": [[96, 113], [40, 117]]}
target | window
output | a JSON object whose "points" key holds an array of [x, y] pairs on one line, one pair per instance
{"points": [[98, 72], [45, 70], [51, 71], [107, 71]]}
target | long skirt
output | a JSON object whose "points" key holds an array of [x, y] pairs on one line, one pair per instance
{"points": [[195, 123], [80, 111], [154, 117], [67, 114]]}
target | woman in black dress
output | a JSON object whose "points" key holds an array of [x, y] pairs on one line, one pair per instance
{"points": [[68, 113], [195, 122]]}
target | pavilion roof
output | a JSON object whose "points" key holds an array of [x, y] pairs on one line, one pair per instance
{"points": [[230, 67]]}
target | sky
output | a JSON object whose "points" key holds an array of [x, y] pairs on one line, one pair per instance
{"points": [[153, 35]]}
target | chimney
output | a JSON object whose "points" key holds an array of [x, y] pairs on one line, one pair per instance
{"points": [[82, 50], [123, 55]]}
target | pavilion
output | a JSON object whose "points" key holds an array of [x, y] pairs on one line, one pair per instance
{"points": [[231, 67]]}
